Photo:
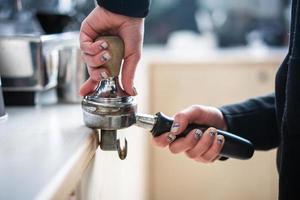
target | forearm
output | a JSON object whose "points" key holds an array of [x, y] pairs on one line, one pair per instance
{"points": [[255, 120], [130, 8]]}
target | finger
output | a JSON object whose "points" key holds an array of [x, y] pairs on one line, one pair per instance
{"points": [[186, 143], [87, 36], [216, 158], [96, 74], [128, 72], [87, 87], [203, 145], [213, 152], [132, 36], [162, 140], [96, 60], [180, 123], [87, 43], [93, 47]]}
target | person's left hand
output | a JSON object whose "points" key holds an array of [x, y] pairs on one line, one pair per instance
{"points": [[203, 147]]}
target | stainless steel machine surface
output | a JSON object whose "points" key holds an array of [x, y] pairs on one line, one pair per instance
{"points": [[32, 65], [2, 109]]}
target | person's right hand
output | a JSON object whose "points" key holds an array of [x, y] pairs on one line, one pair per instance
{"points": [[203, 147], [94, 53]]}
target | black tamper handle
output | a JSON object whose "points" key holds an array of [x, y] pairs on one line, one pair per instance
{"points": [[234, 146]]}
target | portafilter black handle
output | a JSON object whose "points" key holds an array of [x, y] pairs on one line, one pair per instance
{"points": [[234, 146]]}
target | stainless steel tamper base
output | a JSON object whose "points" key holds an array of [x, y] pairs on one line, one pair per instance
{"points": [[109, 115], [109, 108]]}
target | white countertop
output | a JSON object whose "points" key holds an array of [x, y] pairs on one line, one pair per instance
{"points": [[43, 151]]}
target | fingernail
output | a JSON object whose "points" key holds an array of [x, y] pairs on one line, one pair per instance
{"points": [[198, 134], [134, 91], [171, 137], [105, 57], [103, 75], [175, 127], [103, 45], [212, 133], [220, 139]]}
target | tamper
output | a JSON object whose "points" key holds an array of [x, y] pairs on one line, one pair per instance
{"points": [[109, 107]]}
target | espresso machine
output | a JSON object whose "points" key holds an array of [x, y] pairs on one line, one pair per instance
{"points": [[109, 108], [2, 107], [40, 58]]}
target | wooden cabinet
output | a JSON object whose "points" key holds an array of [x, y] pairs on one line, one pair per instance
{"points": [[176, 84]]}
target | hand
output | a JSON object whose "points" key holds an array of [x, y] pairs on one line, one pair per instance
{"points": [[203, 147], [95, 54]]}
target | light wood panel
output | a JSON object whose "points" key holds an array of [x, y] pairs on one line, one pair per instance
{"points": [[110, 178], [175, 86]]}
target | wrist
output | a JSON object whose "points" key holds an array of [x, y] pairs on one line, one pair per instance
{"points": [[223, 124], [136, 9]]}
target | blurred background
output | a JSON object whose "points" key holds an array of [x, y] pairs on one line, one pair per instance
{"points": [[230, 23], [210, 52]]}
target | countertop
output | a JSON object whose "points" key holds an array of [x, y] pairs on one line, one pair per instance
{"points": [[44, 150]]}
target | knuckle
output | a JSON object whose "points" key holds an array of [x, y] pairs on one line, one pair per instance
{"points": [[94, 76], [180, 117], [161, 145], [82, 25], [82, 56], [95, 61], [207, 157], [194, 107], [138, 56], [207, 143], [204, 161], [129, 77], [191, 154], [81, 46], [190, 142], [158, 142], [173, 150], [201, 159]]}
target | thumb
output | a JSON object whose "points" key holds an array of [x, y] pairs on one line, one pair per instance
{"points": [[180, 123], [128, 72], [192, 114]]}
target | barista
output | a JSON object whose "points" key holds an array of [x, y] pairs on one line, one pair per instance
{"points": [[269, 122]]}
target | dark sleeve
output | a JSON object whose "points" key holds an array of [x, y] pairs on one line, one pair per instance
{"points": [[130, 8], [255, 120]]}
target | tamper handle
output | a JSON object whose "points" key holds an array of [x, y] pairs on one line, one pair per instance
{"points": [[234, 146], [116, 49]]}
